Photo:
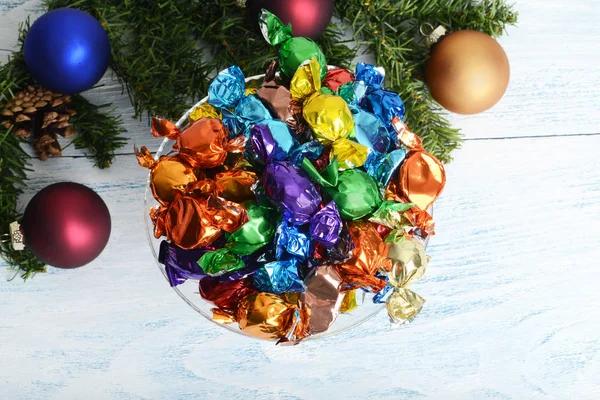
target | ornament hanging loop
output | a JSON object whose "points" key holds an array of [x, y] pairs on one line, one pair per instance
{"points": [[432, 35]]}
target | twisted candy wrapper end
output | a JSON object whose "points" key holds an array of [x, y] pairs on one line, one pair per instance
{"points": [[273, 29], [306, 81], [409, 265], [403, 306], [144, 157], [164, 128]]}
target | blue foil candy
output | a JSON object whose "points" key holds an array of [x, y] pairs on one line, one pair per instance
{"points": [[290, 240], [370, 131], [326, 225], [385, 105], [381, 166], [381, 296], [371, 75], [279, 277], [382, 103]]}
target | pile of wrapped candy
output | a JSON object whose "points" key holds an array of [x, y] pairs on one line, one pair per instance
{"points": [[289, 199]]}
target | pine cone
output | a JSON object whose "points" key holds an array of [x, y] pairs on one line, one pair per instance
{"points": [[41, 113]]}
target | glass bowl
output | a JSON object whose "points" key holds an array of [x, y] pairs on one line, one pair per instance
{"points": [[189, 290]]}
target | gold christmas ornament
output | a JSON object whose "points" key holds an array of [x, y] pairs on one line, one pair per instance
{"points": [[468, 72]]}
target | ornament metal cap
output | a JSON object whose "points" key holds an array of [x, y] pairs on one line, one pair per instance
{"points": [[15, 237], [432, 35]]}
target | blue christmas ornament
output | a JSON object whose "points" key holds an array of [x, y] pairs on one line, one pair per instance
{"points": [[67, 51]]}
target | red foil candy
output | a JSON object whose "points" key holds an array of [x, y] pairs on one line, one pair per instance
{"points": [[225, 295], [337, 77]]}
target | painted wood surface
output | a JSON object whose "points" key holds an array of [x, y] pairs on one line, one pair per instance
{"points": [[512, 289]]}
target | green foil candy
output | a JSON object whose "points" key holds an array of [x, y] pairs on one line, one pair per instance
{"points": [[293, 51], [220, 261], [391, 214], [355, 195], [256, 233]]}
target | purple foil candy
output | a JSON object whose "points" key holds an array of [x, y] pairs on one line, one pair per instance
{"points": [[271, 141], [291, 189], [181, 265], [326, 226], [237, 275]]}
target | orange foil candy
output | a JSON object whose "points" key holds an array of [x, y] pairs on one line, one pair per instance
{"points": [[369, 256], [266, 316], [421, 178], [192, 220], [203, 144], [167, 175], [235, 184]]}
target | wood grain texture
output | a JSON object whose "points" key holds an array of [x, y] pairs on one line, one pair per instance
{"points": [[511, 306], [512, 288]]}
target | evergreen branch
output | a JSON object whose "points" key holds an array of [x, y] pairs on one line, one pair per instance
{"points": [[97, 132], [13, 167], [391, 33], [154, 53]]}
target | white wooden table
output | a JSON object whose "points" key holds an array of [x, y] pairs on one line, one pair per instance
{"points": [[513, 288]]}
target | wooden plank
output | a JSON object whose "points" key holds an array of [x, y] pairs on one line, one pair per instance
{"points": [[553, 90], [511, 306]]}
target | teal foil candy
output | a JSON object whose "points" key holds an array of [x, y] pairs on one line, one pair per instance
{"points": [[369, 131], [382, 166], [228, 92], [249, 111], [279, 277], [228, 88], [311, 150]]}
